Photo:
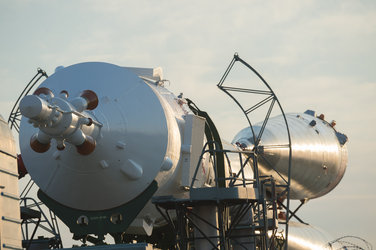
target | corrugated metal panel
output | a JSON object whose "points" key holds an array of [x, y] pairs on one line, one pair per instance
{"points": [[10, 222], [7, 143]]}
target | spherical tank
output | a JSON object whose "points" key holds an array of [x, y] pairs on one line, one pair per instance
{"points": [[104, 135], [319, 153]]}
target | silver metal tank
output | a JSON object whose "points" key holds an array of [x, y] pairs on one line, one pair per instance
{"points": [[95, 135], [307, 237], [319, 153]]}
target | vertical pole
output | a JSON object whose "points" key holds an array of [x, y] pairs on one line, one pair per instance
{"points": [[212, 214]]}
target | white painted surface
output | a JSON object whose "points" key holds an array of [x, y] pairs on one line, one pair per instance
{"points": [[10, 222]]}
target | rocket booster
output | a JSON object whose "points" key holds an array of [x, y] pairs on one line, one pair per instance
{"points": [[319, 153], [95, 136], [112, 118]]}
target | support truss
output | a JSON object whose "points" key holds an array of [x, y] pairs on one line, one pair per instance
{"points": [[270, 99]]}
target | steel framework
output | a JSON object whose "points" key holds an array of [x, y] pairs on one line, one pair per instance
{"points": [[33, 212], [234, 197], [239, 199], [271, 99]]}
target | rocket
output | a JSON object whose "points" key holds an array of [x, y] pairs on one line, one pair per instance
{"points": [[100, 140], [319, 153]]}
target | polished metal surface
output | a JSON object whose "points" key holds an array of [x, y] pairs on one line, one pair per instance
{"points": [[319, 155], [307, 237], [143, 133], [135, 119]]}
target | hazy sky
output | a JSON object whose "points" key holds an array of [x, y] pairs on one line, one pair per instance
{"points": [[315, 54]]}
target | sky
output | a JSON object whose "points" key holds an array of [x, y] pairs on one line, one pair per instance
{"points": [[318, 55]]}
